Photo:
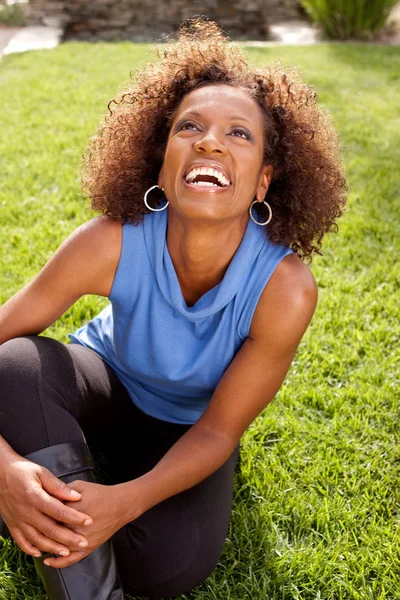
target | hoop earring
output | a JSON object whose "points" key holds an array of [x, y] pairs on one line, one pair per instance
{"points": [[145, 199], [269, 217]]}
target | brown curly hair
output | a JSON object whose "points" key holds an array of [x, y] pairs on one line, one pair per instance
{"points": [[307, 192]]}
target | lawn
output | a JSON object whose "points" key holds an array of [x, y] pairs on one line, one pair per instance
{"points": [[317, 499]]}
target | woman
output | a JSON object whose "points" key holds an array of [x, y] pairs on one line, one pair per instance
{"points": [[210, 298]]}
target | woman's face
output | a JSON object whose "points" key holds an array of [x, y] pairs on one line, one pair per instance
{"points": [[213, 165]]}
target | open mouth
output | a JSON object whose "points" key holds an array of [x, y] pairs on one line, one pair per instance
{"points": [[207, 177]]}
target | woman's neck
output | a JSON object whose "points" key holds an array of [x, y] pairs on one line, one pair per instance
{"points": [[201, 252]]}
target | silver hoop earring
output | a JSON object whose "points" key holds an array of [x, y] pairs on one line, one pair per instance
{"points": [[269, 217], [145, 199]]}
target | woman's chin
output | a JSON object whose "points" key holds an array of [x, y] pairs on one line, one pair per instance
{"points": [[200, 209]]}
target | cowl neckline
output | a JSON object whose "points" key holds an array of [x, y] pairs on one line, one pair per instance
{"points": [[155, 230]]}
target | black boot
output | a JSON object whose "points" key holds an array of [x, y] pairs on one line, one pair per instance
{"points": [[94, 577]]}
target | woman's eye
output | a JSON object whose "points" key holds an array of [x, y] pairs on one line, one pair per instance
{"points": [[242, 133], [189, 126]]}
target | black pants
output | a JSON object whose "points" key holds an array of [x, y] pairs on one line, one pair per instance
{"points": [[52, 393]]}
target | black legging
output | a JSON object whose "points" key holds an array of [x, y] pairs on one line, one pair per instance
{"points": [[52, 393]]}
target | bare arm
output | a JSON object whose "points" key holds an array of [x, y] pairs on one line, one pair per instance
{"points": [[249, 384], [84, 264], [30, 496]]}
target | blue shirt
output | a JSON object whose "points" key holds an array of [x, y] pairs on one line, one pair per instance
{"points": [[169, 356]]}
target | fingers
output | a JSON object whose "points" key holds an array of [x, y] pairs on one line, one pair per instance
{"points": [[59, 562], [24, 543], [27, 545], [58, 533], [62, 513], [57, 488], [41, 542]]}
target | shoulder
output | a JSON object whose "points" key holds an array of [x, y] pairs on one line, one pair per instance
{"points": [[100, 228], [288, 301], [95, 248], [99, 237]]}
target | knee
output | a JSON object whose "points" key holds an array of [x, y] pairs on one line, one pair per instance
{"points": [[24, 361], [28, 353], [13, 354], [17, 355], [18, 347]]}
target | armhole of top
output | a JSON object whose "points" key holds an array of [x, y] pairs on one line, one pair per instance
{"points": [[112, 295], [246, 318]]}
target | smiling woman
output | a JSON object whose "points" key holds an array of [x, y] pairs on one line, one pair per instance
{"points": [[307, 190], [209, 300]]}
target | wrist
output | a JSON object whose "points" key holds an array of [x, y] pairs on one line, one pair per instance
{"points": [[134, 499], [7, 456]]}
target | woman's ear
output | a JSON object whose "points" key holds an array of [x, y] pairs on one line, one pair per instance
{"points": [[265, 180]]}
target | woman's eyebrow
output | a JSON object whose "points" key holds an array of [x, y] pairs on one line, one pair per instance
{"points": [[197, 114], [239, 118]]}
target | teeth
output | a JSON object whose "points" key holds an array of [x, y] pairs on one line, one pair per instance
{"points": [[207, 171], [205, 184]]}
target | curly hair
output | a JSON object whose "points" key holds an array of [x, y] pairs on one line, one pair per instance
{"points": [[307, 192]]}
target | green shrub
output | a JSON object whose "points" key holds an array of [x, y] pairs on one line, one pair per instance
{"points": [[345, 19], [12, 15]]}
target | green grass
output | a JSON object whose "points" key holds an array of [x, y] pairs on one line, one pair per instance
{"points": [[316, 510]]}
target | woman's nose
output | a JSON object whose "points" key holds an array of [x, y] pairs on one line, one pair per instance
{"points": [[210, 144]]}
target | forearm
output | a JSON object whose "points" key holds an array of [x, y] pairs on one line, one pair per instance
{"points": [[195, 456]]}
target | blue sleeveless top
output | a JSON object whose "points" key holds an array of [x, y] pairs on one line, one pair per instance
{"points": [[169, 356]]}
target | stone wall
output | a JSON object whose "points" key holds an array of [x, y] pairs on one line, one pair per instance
{"points": [[151, 20]]}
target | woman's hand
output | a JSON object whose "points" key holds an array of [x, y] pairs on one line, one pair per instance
{"points": [[104, 504], [32, 504]]}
